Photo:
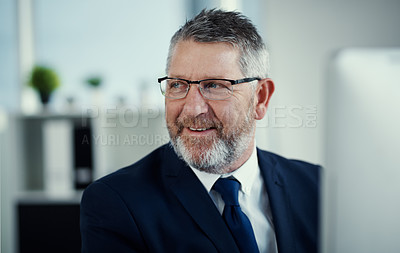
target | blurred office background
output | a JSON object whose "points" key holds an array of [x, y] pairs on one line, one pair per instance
{"points": [[48, 154]]}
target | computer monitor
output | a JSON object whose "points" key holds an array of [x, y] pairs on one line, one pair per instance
{"points": [[361, 181]]}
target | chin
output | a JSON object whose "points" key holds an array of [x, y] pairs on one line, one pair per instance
{"points": [[210, 155]]}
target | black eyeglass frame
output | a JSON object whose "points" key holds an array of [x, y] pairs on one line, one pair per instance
{"points": [[233, 82]]}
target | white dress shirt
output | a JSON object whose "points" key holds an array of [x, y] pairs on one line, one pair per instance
{"points": [[253, 200]]}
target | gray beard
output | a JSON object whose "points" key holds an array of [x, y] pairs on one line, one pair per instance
{"points": [[220, 156], [222, 153]]}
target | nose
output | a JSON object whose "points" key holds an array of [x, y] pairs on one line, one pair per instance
{"points": [[195, 104]]}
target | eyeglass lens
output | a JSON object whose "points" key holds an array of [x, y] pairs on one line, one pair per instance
{"points": [[211, 89]]}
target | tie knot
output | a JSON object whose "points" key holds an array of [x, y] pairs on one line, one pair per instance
{"points": [[229, 189]]}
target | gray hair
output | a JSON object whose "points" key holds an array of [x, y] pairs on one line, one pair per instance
{"points": [[230, 27]]}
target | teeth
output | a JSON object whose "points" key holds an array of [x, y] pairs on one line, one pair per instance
{"points": [[198, 129]]}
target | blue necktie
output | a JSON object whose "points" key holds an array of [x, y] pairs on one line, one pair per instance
{"points": [[237, 221]]}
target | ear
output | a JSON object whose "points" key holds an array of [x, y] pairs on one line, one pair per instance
{"points": [[263, 94]]}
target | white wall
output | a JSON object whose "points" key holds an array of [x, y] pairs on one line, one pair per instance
{"points": [[125, 42], [9, 97], [302, 37]]}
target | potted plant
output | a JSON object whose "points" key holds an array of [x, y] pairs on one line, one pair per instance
{"points": [[94, 81], [45, 81]]}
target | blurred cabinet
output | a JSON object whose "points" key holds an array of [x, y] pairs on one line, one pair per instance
{"points": [[48, 225], [57, 152], [59, 155]]}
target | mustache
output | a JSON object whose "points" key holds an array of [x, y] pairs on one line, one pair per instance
{"points": [[197, 122]]}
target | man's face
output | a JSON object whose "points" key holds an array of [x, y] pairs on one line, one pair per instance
{"points": [[215, 136]]}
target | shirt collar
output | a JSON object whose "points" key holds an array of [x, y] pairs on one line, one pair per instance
{"points": [[246, 174]]}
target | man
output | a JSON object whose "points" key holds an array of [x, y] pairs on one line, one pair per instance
{"points": [[210, 189]]}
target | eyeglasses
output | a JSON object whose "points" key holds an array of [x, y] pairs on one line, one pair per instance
{"points": [[214, 89]]}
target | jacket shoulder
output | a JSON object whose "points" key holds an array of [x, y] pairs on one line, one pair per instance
{"points": [[146, 169], [285, 167]]}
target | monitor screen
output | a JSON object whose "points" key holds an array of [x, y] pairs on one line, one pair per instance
{"points": [[361, 180]]}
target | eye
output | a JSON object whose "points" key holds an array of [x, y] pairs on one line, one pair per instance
{"points": [[175, 84], [211, 85], [215, 85]]}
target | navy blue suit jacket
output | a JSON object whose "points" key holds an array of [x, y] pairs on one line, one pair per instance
{"points": [[159, 205]]}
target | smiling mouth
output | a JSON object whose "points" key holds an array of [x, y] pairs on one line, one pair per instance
{"points": [[198, 129]]}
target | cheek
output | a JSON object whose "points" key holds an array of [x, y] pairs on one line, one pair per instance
{"points": [[227, 115], [172, 112], [232, 115]]}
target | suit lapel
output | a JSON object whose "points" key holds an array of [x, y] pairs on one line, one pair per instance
{"points": [[279, 201], [196, 200]]}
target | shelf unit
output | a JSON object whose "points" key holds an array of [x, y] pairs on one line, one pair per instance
{"points": [[118, 137]]}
